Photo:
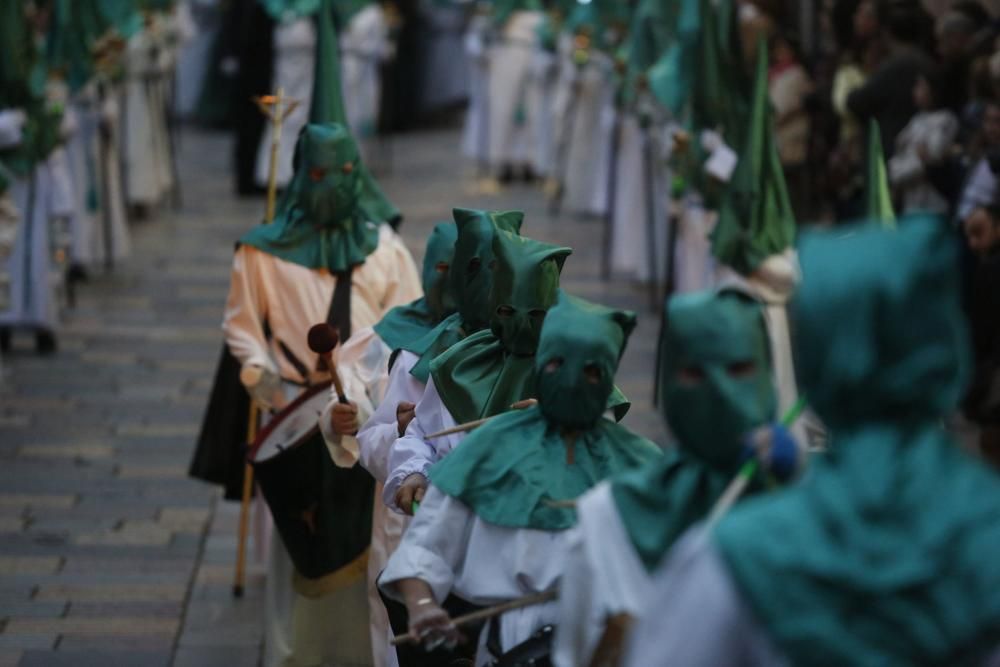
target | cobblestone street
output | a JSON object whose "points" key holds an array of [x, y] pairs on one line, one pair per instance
{"points": [[109, 554]]}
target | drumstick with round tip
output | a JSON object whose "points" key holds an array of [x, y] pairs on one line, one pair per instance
{"points": [[323, 337], [485, 614]]}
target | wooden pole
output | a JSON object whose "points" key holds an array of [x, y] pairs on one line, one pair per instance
{"points": [[241, 545]]}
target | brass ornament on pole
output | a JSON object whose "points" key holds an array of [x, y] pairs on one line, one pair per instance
{"points": [[276, 108]]}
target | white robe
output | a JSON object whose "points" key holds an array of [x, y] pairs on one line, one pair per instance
{"points": [[29, 298], [587, 92], [475, 138], [294, 63], [513, 90], [631, 237], [414, 453], [376, 391], [364, 46], [694, 616], [603, 577], [454, 551], [148, 160], [292, 298]]}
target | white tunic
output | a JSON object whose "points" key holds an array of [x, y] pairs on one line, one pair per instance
{"points": [[294, 63], [475, 138], [603, 577], [454, 551], [695, 617], [414, 452]]}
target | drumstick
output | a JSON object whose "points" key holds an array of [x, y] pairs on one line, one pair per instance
{"points": [[484, 614], [740, 483], [323, 338], [469, 426]]}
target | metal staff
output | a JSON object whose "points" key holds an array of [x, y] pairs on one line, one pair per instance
{"points": [[277, 108]]}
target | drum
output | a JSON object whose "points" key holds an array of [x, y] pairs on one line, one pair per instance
{"points": [[323, 513]]}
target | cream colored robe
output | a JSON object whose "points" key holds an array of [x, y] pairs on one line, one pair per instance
{"points": [[330, 629]]}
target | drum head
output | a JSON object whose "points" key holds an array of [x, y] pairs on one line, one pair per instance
{"points": [[293, 425]]}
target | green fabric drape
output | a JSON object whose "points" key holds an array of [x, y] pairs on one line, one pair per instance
{"points": [[510, 470], [756, 218], [884, 553], [286, 10]]}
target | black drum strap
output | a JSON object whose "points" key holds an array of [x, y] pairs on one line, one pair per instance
{"points": [[339, 314], [340, 306]]}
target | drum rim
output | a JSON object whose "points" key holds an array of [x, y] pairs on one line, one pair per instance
{"points": [[278, 418]]}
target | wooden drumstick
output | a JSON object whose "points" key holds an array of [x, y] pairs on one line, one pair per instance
{"points": [[469, 426], [484, 614], [323, 338]]}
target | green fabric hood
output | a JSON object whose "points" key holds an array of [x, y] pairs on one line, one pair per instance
{"points": [[884, 553], [318, 223], [715, 384], [405, 325], [470, 278], [488, 371]]}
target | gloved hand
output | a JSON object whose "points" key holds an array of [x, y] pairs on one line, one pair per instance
{"points": [[775, 447], [263, 384], [432, 625]]}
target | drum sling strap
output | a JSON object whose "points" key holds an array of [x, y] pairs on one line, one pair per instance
{"points": [[339, 315]]}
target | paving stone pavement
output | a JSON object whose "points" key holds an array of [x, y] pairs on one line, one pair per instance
{"points": [[109, 554]]}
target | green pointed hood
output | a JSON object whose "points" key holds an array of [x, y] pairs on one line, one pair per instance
{"points": [[405, 325], [708, 407], [878, 195], [756, 218], [471, 279], [884, 551], [327, 106], [319, 223], [671, 75], [488, 371], [73, 28], [578, 354], [511, 470], [123, 15]]}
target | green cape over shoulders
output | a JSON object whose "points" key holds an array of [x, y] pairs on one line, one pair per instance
{"points": [[509, 470]]}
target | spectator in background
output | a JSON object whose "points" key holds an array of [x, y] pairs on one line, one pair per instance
{"points": [[982, 403], [927, 139], [788, 86], [958, 43], [887, 95], [980, 187]]}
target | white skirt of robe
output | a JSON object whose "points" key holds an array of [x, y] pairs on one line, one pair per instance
{"points": [[32, 286], [365, 44], [582, 119], [148, 161], [475, 138], [638, 236], [294, 62], [513, 91]]}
